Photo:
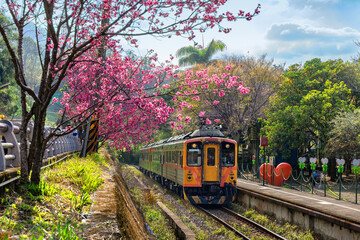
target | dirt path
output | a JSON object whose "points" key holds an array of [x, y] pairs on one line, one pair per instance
{"points": [[101, 220]]}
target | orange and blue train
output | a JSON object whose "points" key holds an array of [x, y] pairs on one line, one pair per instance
{"points": [[201, 166]]}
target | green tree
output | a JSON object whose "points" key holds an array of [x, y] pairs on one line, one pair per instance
{"points": [[191, 55], [308, 99], [9, 95], [345, 137]]}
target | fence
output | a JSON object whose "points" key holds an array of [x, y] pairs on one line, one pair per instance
{"points": [[345, 187], [10, 146]]}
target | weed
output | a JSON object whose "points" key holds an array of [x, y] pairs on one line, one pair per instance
{"points": [[287, 230], [81, 201], [245, 230], [201, 235], [66, 231], [4, 236], [150, 198], [220, 231]]}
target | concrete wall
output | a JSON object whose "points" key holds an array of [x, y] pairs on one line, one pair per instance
{"points": [[321, 224]]}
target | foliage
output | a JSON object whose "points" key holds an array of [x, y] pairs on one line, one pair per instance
{"points": [[9, 101], [233, 109], [287, 230], [128, 157], [191, 55], [156, 220], [75, 41], [51, 210], [345, 135], [308, 99], [9, 95]]}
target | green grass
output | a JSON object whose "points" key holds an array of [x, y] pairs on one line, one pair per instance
{"points": [[158, 224], [286, 230], [52, 209]]}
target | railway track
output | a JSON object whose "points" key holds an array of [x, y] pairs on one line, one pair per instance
{"points": [[230, 219]]}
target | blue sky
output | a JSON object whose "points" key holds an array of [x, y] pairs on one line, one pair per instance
{"points": [[289, 31]]}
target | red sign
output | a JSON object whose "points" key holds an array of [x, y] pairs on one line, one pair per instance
{"points": [[264, 141]]}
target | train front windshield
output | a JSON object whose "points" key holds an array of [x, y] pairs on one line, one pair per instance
{"points": [[228, 154], [194, 152]]}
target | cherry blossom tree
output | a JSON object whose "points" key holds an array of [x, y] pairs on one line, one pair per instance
{"points": [[71, 34]]}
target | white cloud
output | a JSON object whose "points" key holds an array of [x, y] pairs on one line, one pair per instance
{"points": [[292, 42], [290, 31]]}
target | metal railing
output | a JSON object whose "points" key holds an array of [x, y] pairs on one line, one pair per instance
{"points": [[10, 146], [344, 188]]}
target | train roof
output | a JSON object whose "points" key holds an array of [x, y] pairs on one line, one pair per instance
{"points": [[203, 132]]}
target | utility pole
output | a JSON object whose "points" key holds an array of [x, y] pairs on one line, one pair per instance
{"points": [[92, 127]]}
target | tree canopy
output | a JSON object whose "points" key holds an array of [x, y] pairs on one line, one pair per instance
{"points": [[9, 100], [192, 55], [344, 136], [307, 100], [75, 36], [230, 107]]}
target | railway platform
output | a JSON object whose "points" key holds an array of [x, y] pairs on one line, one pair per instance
{"points": [[330, 217]]}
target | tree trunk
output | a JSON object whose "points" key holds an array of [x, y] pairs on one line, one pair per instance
{"points": [[25, 164], [37, 144]]}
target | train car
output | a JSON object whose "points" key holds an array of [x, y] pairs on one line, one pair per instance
{"points": [[201, 166]]}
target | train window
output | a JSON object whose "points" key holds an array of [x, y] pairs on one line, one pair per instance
{"points": [[211, 156], [181, 158], [194, 154], [176, 157], [228, 154], [168, 156]]}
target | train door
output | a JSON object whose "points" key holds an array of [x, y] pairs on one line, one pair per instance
{"points": [[211, 163]]}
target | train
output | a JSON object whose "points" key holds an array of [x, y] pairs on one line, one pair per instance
{"points": [[201, 166]]}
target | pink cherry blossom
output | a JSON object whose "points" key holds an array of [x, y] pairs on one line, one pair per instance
{"points": [[124, 93]]}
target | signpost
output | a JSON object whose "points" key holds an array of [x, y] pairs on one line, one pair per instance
{"points": [[301, 166], [264, 143], [312, 167], [253, 162], [340, 167], [356, 163], [324, 161]]}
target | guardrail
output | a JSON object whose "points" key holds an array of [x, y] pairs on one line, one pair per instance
{"points": [[10, 146]]}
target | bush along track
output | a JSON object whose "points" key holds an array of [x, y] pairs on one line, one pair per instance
{"points": [[55, 208], [144, 197]]}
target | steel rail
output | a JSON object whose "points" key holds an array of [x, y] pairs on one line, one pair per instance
{"points": [[228, 226], [257, 225]]}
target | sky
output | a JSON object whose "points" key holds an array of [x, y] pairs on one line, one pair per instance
{"points": [[287, 31]]}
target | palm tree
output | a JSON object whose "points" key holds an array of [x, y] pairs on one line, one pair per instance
{"points": [[190, 55]]}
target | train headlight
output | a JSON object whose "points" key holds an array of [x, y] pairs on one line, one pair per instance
{"points": [[227, 145], [194, 145]]}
